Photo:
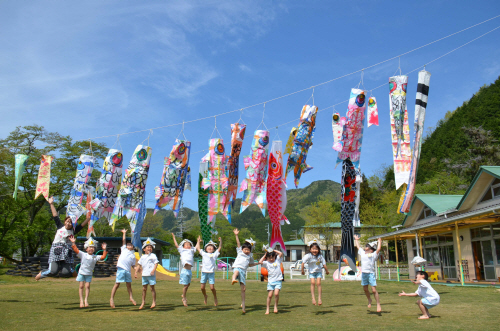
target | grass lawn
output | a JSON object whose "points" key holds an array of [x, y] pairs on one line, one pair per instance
{"points": [[53, 304]]}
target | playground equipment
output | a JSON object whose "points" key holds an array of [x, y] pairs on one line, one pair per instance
{"points": [[159, 268], [346, 273]]}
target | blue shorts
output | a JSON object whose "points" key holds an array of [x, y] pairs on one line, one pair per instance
{"points": [[368, 279], [271, 286], [242, 276], [149, 280], [84, 278], [426, 303], [185, 277], [123, 276], [317, 274], [210, 276]]}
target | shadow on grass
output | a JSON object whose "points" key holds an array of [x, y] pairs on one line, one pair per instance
{"points": [[369, 312], [16, 301], [342, 305], [324, 312]]}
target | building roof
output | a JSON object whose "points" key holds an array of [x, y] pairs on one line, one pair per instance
{"points": [[339, 225], [440, 203], [492, 170], [298, 242], [101, 239]]}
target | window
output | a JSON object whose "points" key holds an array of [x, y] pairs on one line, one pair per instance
{"points": [[432, 256], [497, 246], [493, 191], [430, 240], [482, 232], [426, 213], [445, 238]]}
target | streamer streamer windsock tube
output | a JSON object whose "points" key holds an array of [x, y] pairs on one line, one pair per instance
{"points": [[136, 233], [372, 112], [349, 188], [43, 181], [206, 229], [337, 128], [20, 166], [237, 135], [175, 178], [80, 188]]}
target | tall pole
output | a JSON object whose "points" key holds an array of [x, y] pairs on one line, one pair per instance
{"points": [[459, 254], [397, 257], [421, 250]]}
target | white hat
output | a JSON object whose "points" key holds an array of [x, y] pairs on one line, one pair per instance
{"points": [[250, 241], [314, 241], [91, 242], [209, 243], [185, 241], [373, 245], [148, 242], [267, 248]]}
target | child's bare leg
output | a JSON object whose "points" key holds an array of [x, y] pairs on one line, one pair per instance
{"points": [[87, 292], [80, 292], [367, 293], [425, 311], [276, 299], [204, 292], [312, 291], [184, 295], [153, 293], [212, 287], [129, 289], [268, 301], [144, 291], [113, 292], [243, 289], [318, 284], [235, 275], [375, 294]]}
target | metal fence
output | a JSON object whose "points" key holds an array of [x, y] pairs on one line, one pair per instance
{"points": [[393, 272]]}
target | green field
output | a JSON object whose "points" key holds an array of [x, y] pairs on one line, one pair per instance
{"points": [[53, 304]]}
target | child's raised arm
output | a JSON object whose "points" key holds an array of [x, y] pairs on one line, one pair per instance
{"points": [[356, 241], [280, 254], [73, 241], [220, 244], [104, 251], [236, 232], [52, 207], [379, 245], [261, 261], [175, 241], [198, 244], [124, 238]]}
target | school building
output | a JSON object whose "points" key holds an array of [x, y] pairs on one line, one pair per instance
{"points": [[458, 235]]}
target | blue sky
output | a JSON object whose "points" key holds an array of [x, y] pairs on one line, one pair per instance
{"points": [[97, 68]]}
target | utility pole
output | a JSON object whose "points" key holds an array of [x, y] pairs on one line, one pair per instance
{"points": [[180, 221], [295, 236], [268, 234]]}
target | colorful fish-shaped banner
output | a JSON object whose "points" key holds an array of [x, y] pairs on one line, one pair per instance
{"points": [[237, 135], [174, 179], [276, 194], [90, 224], [132, 191], [20, 166], [302, 143], [289, 143], [216, 182], [136, 233], [43, 182], [352, 132], [337, 128], [206, 229], [372, 111], [107, 187], [349, 188], [254, 185], [80, 188], [424, 78], [400, 130]]}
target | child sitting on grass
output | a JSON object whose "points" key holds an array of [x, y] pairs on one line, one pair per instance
{"points": [[87, 264], [243, 260], [369, 254], [123, 275], [186, 250], [315, 264], [430, 298], [209, 263], [148, 262], [272, 262]]}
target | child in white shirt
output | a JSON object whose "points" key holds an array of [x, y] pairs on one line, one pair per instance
{"points": [[272, 262], [209, 263], [315, 265], [430, 298], [87, 264], [369, 255], [148, 262], [123, 275], [244, 259], [186, 250]]}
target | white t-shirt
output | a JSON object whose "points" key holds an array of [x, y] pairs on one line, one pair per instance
{"points": [[273, 270], [147, 262], [314, 263], [367, 261], [87, 263], [126, 259], [62, 236], [426, 291], [242, 260], [187, 255], [209, 261]]}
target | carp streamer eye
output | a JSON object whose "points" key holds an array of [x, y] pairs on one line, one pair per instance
{"points": [[142, 155], [360, 100], [264, 141], [404, 87], [219, 149], [80, 165], [117, 159], [336, 118], [392, 86], [371, 102], [181, 149]]}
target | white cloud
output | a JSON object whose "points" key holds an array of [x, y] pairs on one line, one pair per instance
{"points": [[244, 68]]}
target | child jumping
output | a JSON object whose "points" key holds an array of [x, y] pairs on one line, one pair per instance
{"points": [[148, 262], [430, 298], [315, 264], [209, 262], [244, 259], [186, 250], [369, 254], [272, 262], [87, 264], [123, 275]]}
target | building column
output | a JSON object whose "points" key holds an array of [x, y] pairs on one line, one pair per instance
{"points": [[459, 254], [397, 257]]}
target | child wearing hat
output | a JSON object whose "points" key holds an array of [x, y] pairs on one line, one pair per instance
{"points": [[123, 275], [148, 262], [87, 264], [430, 298], [272, 262], [369, 255], [315, 265], [186, 250], [209, 261], [243, 260]]}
